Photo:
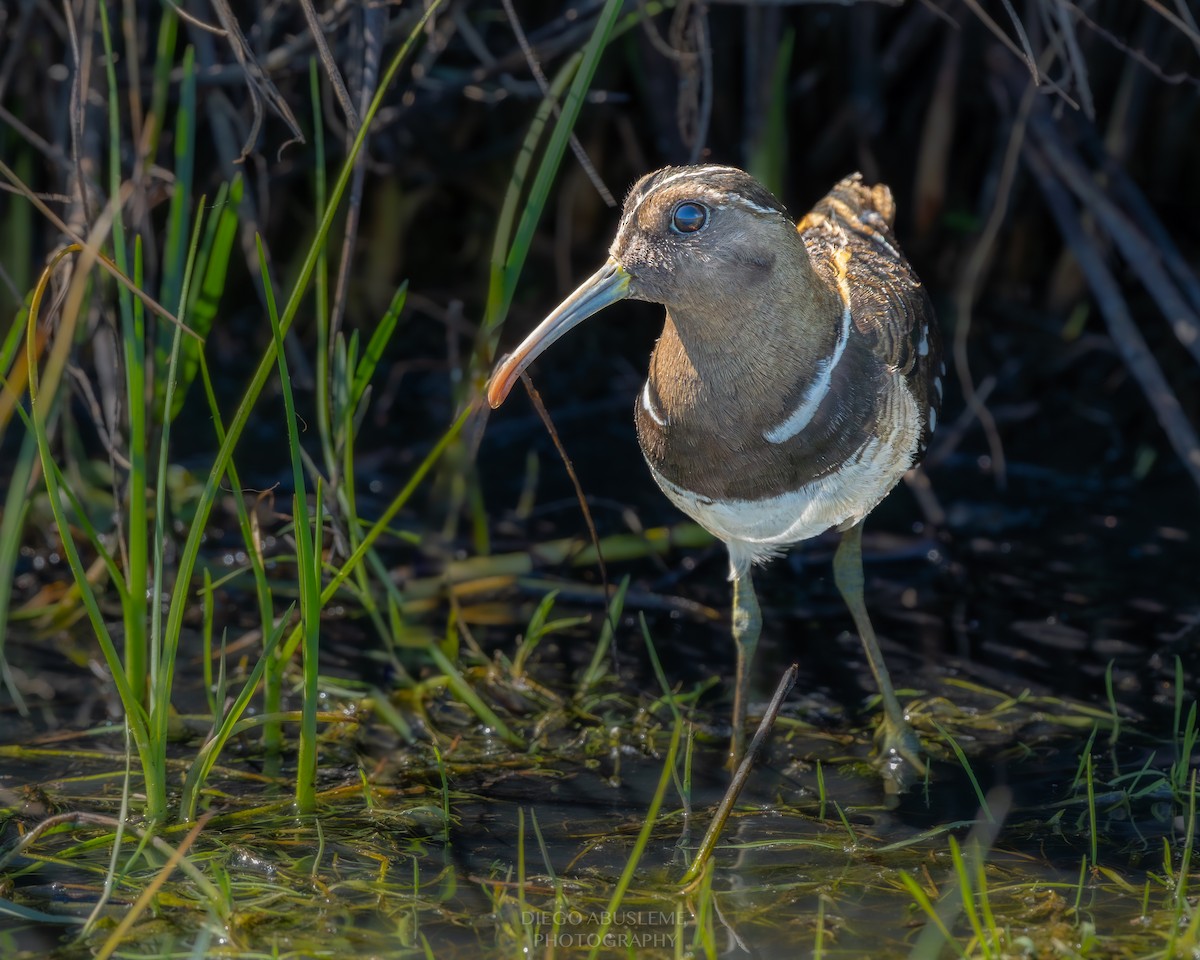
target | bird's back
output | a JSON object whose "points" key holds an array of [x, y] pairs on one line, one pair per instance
{"points": [[852, 226]]}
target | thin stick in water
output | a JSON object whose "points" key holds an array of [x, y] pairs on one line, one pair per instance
{"points": [[725, 807]]}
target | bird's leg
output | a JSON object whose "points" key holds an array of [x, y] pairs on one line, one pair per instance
{"points": [[895, 739], [747, 625]]}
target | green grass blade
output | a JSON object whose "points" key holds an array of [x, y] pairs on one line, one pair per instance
{"points": [[497, 308], [463, 691], [929, 943], [84, 522], [212, 265], [134, 349], [10, 909], [135, 713], [253, 552], [164, 64], [207, 756], [364, 370], [659, 673], [504, 279], [12, 522], [643, 839], [595, 670], [325, 418], [768, 159], [380, 526], [1185, 860], [966, 765], [308, 567], [176, 246], [167, 646], [967, 895]]}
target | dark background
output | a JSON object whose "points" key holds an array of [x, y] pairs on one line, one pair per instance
{"points": [[922, 96]]}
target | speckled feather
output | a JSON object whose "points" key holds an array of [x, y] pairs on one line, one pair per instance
{"points": [[888, 303]]}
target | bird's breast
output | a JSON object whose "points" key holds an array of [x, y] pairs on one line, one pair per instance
{"points": [[759, 497], [737, 426]]}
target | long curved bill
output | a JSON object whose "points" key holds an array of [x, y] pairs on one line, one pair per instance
{"points": [[604, 287]]}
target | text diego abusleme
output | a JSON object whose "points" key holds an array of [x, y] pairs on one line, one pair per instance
{"points": [[622, 928]]}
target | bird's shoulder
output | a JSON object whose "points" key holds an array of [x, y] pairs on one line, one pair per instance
{"points": [[848, 235]]}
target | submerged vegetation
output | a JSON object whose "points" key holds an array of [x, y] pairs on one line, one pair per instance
{"points": [[304, 657]]}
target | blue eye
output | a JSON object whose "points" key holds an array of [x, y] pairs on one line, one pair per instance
{"points": [[689, 217]]}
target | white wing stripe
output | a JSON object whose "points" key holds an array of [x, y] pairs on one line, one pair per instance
{"points": [[650, 408], [817, 390]]}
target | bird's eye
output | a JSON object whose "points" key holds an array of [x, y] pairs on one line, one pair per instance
{"points": [[689, 217]]}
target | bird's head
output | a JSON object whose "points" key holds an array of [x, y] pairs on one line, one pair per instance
{"points": [[702, 240], [692, 237]]}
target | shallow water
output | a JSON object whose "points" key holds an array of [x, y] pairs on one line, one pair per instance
{"points": [[1000, 628]]}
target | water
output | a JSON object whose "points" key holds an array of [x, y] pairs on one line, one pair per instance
{"points": [[1007, 628]]}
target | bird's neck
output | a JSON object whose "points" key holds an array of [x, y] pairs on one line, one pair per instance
{"points": [[750, 348]]}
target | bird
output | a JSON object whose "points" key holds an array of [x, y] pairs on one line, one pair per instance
{"points": [[797, 378]]}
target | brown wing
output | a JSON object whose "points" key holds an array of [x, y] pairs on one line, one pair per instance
{"points": [[850, 230]]}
